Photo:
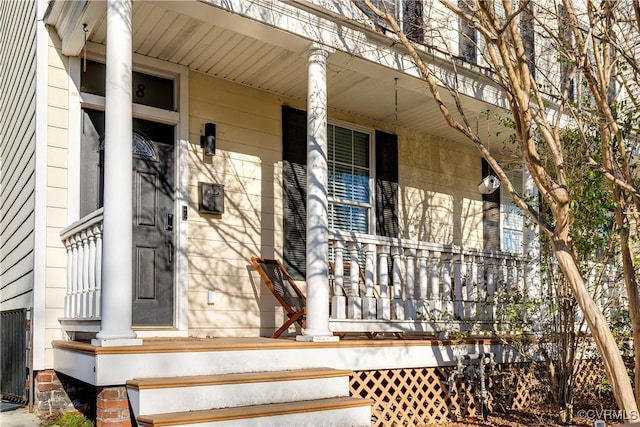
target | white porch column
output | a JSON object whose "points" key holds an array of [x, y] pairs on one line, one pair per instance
{"points": [[317, 200], [117, 261]]}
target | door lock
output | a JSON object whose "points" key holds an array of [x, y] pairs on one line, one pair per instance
{"points": [[169, 222]]}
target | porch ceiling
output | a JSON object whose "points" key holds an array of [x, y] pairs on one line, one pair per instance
{"points": [[219, 43]]}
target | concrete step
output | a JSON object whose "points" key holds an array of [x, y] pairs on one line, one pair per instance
{"points": [[336, 411], [196, 393]]}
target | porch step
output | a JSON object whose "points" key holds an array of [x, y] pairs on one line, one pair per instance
{"points": [[336, 411], [196, 393]]}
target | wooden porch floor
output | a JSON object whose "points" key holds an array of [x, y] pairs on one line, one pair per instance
{"points": [[194, 344]]}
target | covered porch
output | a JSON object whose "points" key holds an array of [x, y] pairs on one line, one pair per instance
{"points": [[404, 287], [428, 287]]}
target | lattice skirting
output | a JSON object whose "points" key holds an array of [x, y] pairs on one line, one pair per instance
{"points": [[413, 397]]}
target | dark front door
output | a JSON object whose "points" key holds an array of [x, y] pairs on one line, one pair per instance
{"points": [[153, 223], [153, 209]]}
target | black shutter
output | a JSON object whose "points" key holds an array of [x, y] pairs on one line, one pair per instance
{"points": [[490, 213], [386, 184], [294, 181]]}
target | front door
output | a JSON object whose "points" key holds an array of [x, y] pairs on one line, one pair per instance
{"points": [[153, 210], [153, 223]]}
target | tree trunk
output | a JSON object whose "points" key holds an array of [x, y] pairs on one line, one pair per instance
{"points": [[613, 363]]}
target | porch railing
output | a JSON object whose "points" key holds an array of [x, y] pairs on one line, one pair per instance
{"points": [[397, 285], [83, 241]]}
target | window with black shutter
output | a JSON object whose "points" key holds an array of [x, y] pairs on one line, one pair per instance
{"points": [[349, 175]]}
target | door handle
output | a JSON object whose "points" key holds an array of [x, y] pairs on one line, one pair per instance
{"points": [[170, 244], [169, 222]]}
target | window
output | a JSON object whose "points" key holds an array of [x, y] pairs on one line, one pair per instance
{"points": [[388, 6], [468, 38], [349, 179], [566, 69], [503, 221], [413, 20], [512, 217], [527, 32], [352, 206]]}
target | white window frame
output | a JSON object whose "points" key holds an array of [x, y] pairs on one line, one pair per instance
{"points": [[509, 212], [372, 202]]}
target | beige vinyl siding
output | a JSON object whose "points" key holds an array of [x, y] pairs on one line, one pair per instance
{"points": [[17, 151], [439, 202], [56, 188]]}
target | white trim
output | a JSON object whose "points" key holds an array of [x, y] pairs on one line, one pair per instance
{"points": [[38, 315], [182, 202], [74, 138], [180, 119]]}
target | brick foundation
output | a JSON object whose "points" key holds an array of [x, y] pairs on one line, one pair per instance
{"points": [[50, 397], [112, 407]]}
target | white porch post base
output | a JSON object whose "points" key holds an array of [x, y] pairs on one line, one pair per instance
{"points": [[339, 307], [369, 308], [115, 342], [354, 308], [410, 309], [384, 309], [317, 338], [398, 309]]}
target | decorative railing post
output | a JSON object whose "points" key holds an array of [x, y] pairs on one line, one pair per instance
{"points": [[75, 310], [481, 288], [97, 230], [434, 288], [338, 300], [422, 305], [512, 286], [384, 304], [84, 280], [458, 296], [447, 299], [470, 285], [369, 307], [491, 289], [354, 302], [397, 308], [410, 284]]}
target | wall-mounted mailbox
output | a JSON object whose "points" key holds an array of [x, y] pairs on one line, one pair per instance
{"points": [[211, 198]]}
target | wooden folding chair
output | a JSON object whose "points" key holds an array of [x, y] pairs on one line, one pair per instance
{"points": [[282, 286]]}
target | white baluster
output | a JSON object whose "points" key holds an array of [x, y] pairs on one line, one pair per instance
{"points": [[422, 305], [91, 279], [98, 292], [68, 306], [491, 289], [396, 277], [447, 298], [410, 284], [354, 302], [384, 304], [435, 296], [369, 308], [512, 286], [74, 277], [338, 300], [470, 302], [481, 289], [458, 296], [84, 283]]}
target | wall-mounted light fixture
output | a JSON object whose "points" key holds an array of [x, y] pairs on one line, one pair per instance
{"points": [[208, 140], [489, 184]]}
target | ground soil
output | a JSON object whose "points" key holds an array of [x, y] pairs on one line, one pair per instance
{"points": [[542, 415]]}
